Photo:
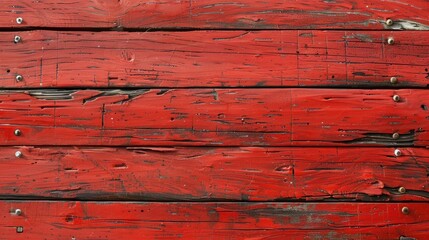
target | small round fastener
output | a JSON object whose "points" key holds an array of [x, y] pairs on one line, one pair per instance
{"points": [[19, 20], [401, 190], [18, 154], [397, 152], [19, 78], [17, 132], [389, 22], [393, 80], [405, 210], [19, 229], [396, 98], [395, 135], [18, 212], [17, 39], [390, 41]]}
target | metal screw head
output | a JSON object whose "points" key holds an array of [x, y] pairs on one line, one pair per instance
{"points": [[395, 135], [18, 154], [393, 80], [389, 22], [405, 210], [402, 190], [19, 20], [18, 212], [17, 39], [19, 229], [396, 98], [17, 132], [19, 78], [398, 153], [390, 41]]}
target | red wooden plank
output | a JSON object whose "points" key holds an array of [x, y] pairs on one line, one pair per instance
{"points": [[186, 174], [242, 14], [130, 220], [217, 117], [214, 58]]}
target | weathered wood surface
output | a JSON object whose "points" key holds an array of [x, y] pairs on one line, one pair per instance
{"points": [[216, 117], [214, 59], [130, 220], [213, 174], [238, 14]]}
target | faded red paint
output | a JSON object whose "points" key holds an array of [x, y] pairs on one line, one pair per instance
{"points": [[214, 14], [233, 59], [131, 220], [211, 174]]}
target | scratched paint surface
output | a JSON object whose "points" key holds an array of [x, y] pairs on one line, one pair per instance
{"points": [[246, 173], [238, 14], [234, 59], [120, 220], [216, 117], [205, 119]]}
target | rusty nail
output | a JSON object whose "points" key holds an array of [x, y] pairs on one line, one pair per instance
{"points": [[19, 78], [18, 211], [393, 80], [390, 41], [395, 135], [19, 20], [389, 22], [17, 39], [402, 190], [396, 98], [19, 229], [18, 154], [405, 210], [398, 152], [17, 132]]}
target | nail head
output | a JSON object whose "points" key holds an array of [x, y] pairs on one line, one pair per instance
{"points": [[18, 212], [395, 135], [398, 153], [389, 22], [17, 39], [402, 190], [19, 78], [18, 154], [19, 20], [390, 41], [17, 132], [19, 229], [393, 80], [396, 98], [405, 210]]}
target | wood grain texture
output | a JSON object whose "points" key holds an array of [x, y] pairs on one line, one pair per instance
{"points": [[216, 117], [238, 14], [214, 59], [130, 220], [213, 174]]}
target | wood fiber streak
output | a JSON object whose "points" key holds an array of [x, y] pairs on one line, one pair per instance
{"points": [[216, 117], [213, 14], [208, 174], [214, 59], [130, 220]]}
